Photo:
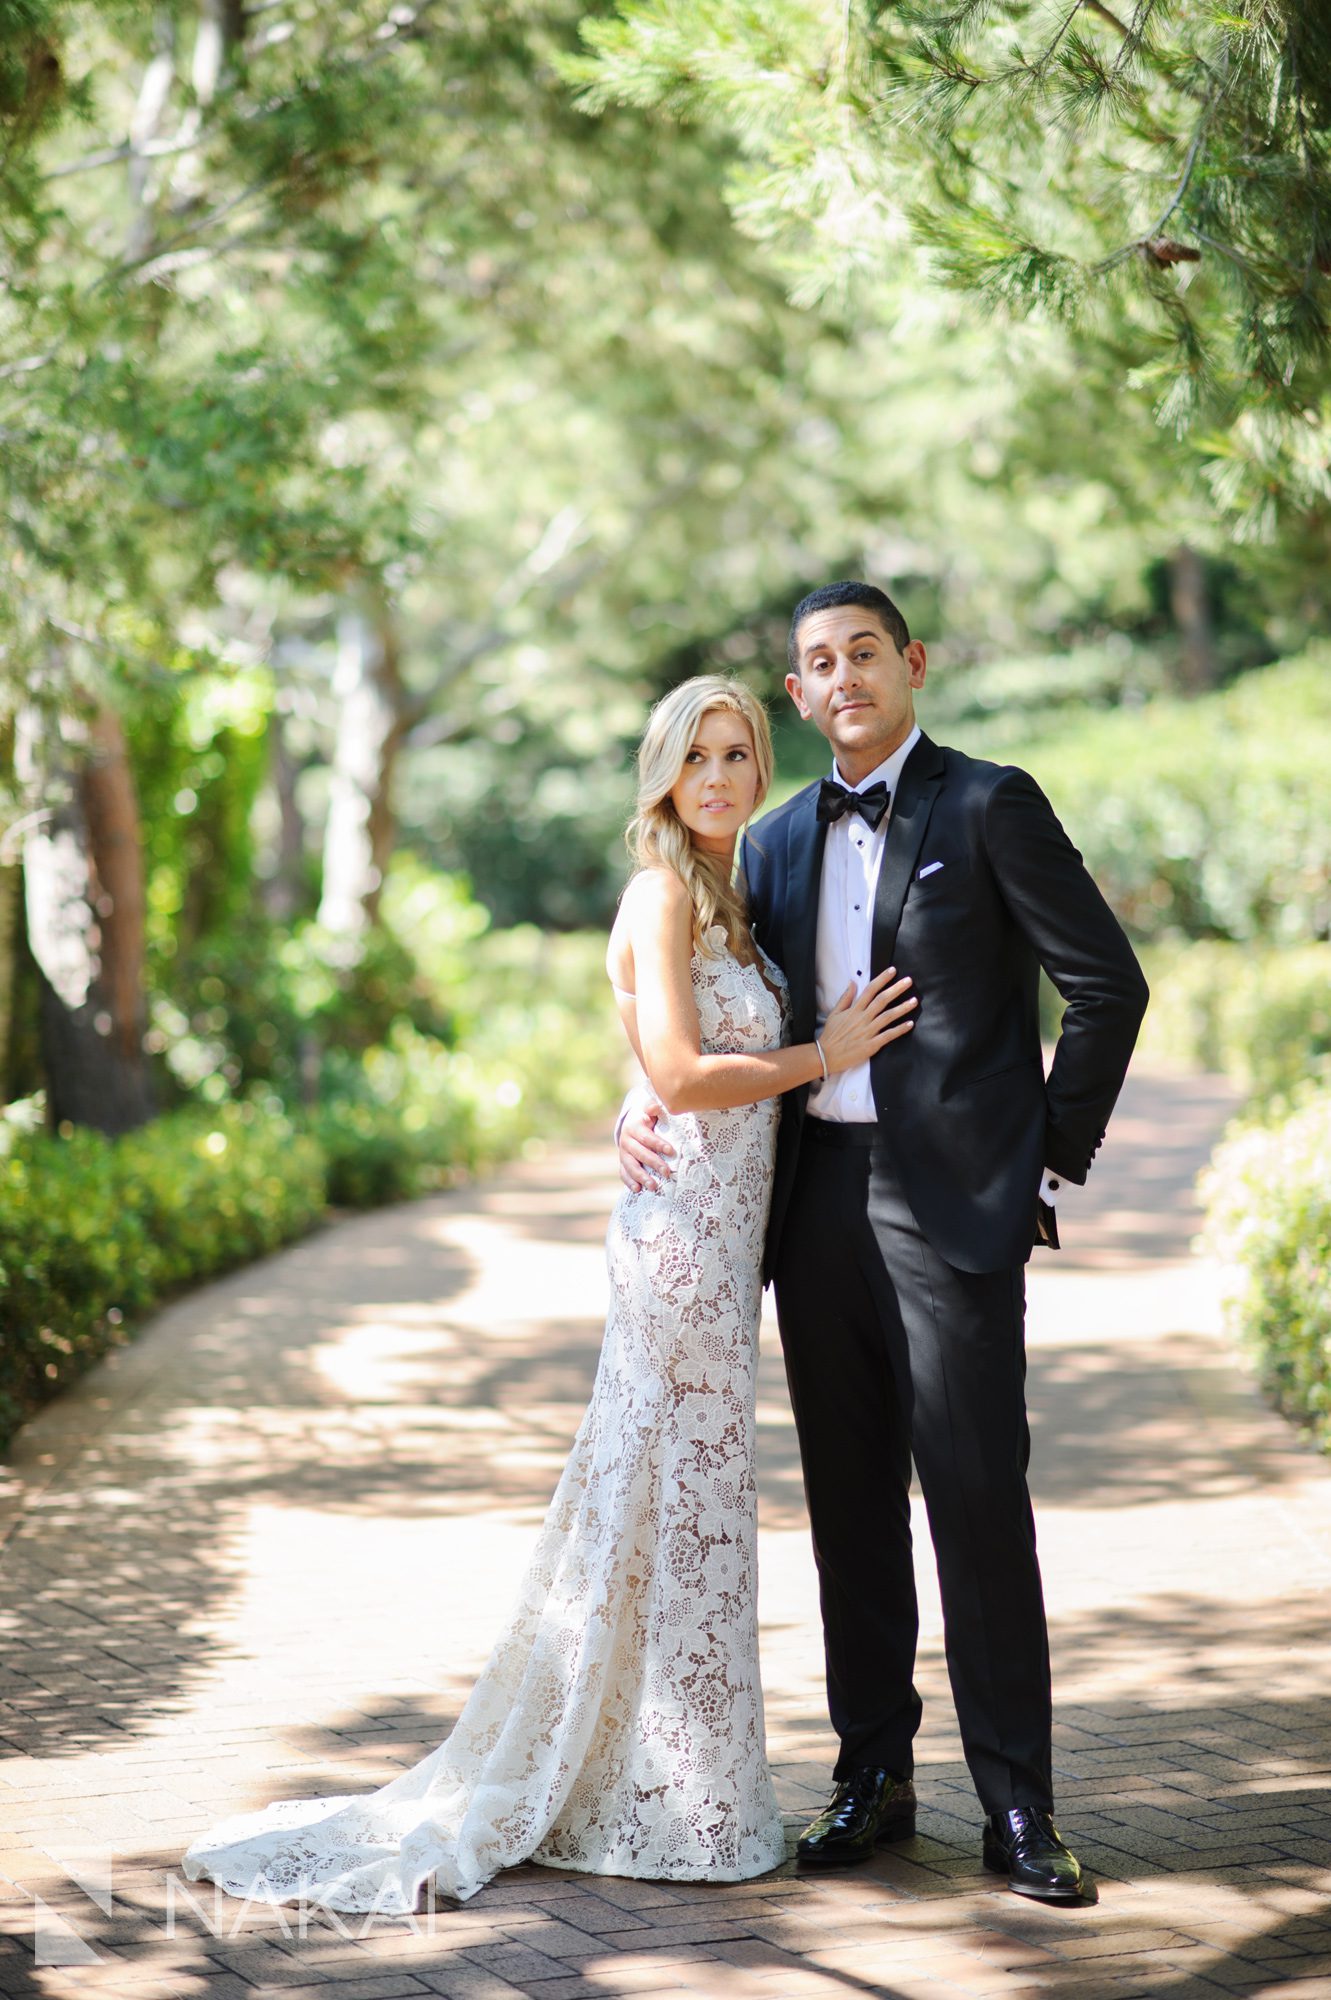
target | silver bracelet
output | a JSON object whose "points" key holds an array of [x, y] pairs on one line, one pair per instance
{"points": [[821, 1057]]}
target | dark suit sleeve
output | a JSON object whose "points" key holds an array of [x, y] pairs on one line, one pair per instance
{"points": [[1081, 945], [755, 879]]}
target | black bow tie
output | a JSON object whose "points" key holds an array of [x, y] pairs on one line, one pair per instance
{"points": [[834, 799]]}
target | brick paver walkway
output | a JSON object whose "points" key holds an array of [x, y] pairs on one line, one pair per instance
{"points": [[262, 1551]]}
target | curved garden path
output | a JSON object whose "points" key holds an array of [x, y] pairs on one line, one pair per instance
{"points": [[262, 1550]]}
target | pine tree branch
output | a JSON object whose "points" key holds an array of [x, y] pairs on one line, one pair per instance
{"points": [[1231, 255], [1105, 14], [1043, 61], [546, 557], [12, 835], [1185, 177], [1155, 234], [161, 266]]}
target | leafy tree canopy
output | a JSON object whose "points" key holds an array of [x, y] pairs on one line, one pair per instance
{"points": [[1154, 180]]}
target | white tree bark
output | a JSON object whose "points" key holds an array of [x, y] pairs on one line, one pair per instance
{"points": [[359, 835], [61, 924]]}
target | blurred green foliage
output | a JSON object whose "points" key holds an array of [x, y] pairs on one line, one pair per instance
{"points": [[272, 1005], [199, 746], [1268, 1200], [95, 1230], [1204, 819], [1262, 1015], [307, 1012], [537, 1048], [1148, 183]]}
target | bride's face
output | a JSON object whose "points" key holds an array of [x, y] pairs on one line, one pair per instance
{"points": [[717, 788]]}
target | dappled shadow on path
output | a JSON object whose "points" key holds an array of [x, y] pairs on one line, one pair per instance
{"points": [[1192, 1770], [425, 1363], [1113, 1424], [1131, 1424], [403, 1365], [396, 1390], [1139, 1206], [1193, 1776]]}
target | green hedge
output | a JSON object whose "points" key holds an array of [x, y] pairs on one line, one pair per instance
{"points": [[541, 1049], [1206, 818], [95, 1230], [1263, 1016], [1268, 1199]]}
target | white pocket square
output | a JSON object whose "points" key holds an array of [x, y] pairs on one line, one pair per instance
{"points": [[929, 868]]}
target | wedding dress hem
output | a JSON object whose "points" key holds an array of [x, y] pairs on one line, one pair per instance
{"points": [[740, 1872]]}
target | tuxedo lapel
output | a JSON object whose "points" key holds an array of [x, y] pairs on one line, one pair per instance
{"points": [[921, 779], [805, 841]]}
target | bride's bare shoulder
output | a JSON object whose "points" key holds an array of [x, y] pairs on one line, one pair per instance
{"points": [[655, 895]]}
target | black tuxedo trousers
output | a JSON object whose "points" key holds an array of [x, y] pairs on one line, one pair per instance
{"points": [[893, 1353]]}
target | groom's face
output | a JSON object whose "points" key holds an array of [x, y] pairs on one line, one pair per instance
{"points": [[855, 686]]}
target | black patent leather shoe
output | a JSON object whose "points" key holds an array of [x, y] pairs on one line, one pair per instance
{"points": [[867, 1809], [1026, 1847]]}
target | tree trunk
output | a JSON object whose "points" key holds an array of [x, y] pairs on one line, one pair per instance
{"points": [[83, 888], [1189, 600], [372, 720], [283, 890], [11, 880]]}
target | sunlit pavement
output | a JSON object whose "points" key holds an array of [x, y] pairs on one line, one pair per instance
{"points": [[262, 1551]]}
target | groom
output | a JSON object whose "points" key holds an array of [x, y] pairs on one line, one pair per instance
{"points": [[907, 1198]]}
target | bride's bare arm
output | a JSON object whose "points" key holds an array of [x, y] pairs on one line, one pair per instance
{"points": [[660, 919]]}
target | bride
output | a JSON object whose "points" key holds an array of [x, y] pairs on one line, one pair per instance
{"points": [[618, 1725]]}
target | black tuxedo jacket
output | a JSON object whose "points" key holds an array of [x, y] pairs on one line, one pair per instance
{"points": [[968, 1116]]}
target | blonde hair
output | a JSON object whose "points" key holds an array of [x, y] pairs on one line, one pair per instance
{"points": [[657, 838]]}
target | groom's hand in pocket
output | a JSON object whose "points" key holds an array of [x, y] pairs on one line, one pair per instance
{"points": [[644, 1153]]}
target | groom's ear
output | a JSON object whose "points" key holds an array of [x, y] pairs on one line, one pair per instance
{"points": [[795, 689], [917, 661]]}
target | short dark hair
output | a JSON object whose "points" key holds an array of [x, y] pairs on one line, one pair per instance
{"points": [[830, 596]]}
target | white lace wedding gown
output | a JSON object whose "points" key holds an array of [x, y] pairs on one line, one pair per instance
{"points": [[618, 1725]]}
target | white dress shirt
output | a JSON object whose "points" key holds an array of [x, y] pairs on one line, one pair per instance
{"points": [[852, 857]]}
